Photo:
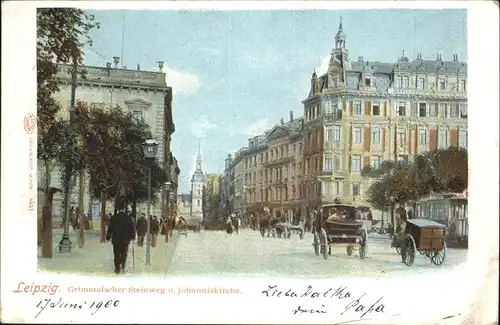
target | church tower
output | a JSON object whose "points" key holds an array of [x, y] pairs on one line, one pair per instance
{"points": [[197, 184], [339, 60]]}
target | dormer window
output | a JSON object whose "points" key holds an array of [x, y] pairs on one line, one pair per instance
{"points": [[400, 82], [442, 84], [463, 85], [368, 82], [421, 83], [406, 82]]}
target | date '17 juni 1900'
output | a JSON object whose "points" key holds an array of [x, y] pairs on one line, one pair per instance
{"points": [[92, 306]]}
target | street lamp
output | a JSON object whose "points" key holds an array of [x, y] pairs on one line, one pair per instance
{"points": [[167, 187], [65, 243], [392, 199], [150, 148]]}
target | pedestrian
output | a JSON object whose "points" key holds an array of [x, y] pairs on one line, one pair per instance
{"points": [[121, 232], [73, 218], [237, 223], [154, 229], [142, 225]]}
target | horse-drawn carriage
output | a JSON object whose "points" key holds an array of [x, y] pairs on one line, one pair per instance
{"points": [[345, 231], [286, 229], [424, 236]]}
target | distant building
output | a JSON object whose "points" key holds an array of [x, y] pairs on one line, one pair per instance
{"points": [[211, 197], [183, 206], [197, 184]]}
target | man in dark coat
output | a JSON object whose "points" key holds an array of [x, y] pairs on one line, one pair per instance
{"points": [[121, 232]]}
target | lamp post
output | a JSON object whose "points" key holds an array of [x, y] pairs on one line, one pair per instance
{"points": [[65, 243], [150, 148], [392, 199], [167, 188]]}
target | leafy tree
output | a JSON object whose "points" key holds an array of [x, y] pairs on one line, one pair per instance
{"points": [[61, 35]]}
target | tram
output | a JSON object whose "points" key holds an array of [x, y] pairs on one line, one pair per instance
{"points": [[449, 209]]}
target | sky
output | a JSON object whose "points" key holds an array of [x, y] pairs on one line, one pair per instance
{"points": [[236, 73]]}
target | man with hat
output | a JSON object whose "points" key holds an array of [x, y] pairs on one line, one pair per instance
{"points": [[121, 232]]}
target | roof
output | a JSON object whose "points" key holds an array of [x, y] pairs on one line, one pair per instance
{"points": [[426, 223]]}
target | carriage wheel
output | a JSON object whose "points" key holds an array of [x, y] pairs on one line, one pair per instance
{"points": [[408, 250], [349, 250], [301, 234], [316, 244], [288, 234], [438, 257], [398, 250], [324, 243], [362, 243], [262, 231], [424, 253], [279, 234]]}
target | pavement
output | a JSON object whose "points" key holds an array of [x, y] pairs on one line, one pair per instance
{"points": [[96, 258], [215, 253]]}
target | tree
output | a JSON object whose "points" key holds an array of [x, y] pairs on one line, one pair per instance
{"points": [[61, 36]]}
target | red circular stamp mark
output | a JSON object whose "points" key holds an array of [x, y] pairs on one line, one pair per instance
{"points": [[30, 123]]}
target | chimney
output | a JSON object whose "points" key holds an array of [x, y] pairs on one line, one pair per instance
{"points": [[116, 60], [138, 67], [160, 65], [455, 57], [282, 121], [291, 116], [360, 59], [419, 56]]}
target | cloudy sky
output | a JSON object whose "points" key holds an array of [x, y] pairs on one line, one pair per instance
{"points": [[236, 73]]}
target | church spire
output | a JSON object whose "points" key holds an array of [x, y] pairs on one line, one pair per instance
{"points": [[198, 158], [340, 37]]}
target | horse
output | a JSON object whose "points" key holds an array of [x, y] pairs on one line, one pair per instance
{"points": [[268, 222], [229, 227]]}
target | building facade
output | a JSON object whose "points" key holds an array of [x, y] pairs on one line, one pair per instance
{"points": [[197, 184], [211, 198], [360, 113], [282, 164], [144, 93]]}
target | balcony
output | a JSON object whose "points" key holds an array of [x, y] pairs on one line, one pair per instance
{"points": [[332, 174], [333, 145], [332, 117], [278, 162]]}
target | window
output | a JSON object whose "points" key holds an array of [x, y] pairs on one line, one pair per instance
{"points": [[375, 163], [442, 84], [462, 139], [368, 82], [433, 110], [328, 188], [336, 133], [198, 203], [356, 163], [337, 188], [421, 83], [402, 138], [329, 134], [462, 85], [406, 82], [376, 135], [443, 138], [355, 189], [443, 107], [422, 109], [138, 115], [357, 134], [328, 163], [422, 137], [454, 110], [400, 82], [402, 109], [376, 108], [357, 107], [463, 110]]}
